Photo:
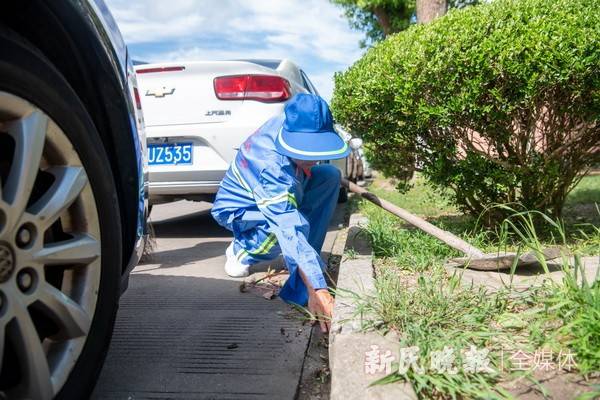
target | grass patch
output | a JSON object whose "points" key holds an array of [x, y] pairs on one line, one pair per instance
{"points": [[575, 307], [421, 199], [435, 313], [431, 309], [586, 192], [391, 236]]}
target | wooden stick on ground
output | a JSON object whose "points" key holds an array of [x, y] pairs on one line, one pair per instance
{"points": [[449, 238]]}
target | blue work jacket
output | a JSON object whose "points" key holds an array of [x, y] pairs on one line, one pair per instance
{"points": [[261, 179]]}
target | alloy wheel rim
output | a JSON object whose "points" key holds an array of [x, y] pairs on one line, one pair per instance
{"points": [[49, 252]]}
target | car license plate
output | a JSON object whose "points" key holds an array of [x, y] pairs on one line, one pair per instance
{"points": [[170, 154]]}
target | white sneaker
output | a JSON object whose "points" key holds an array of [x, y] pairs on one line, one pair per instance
{"points": [[233, 267]]}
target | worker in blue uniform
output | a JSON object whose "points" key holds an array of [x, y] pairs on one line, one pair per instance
{"points": [[276, 199]]}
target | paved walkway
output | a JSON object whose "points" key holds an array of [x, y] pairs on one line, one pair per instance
{"points": [[185, 331]]}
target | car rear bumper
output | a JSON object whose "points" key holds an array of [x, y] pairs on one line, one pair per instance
{"points": [[184, 187], [214, 147]]}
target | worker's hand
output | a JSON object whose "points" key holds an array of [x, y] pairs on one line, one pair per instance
{"points": [[320, 305]]}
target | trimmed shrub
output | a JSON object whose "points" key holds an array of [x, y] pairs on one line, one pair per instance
{"points": [[499, 102]]}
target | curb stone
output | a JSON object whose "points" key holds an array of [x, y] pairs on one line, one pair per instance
{"points": [[314, 379], [348, 345]]}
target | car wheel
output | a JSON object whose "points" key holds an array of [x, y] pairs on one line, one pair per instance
{"points": [[60, 258]]}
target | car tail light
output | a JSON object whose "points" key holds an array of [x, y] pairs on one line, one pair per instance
{"points": [[159, 69], [266, 88]]}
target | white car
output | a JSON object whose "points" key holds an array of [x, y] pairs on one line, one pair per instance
{"points": [[198, 113]]}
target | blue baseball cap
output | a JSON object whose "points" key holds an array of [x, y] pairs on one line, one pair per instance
{"points": [[307, 132]]}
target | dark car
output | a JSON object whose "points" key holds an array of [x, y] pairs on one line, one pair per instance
{"points": [[72, 194]]}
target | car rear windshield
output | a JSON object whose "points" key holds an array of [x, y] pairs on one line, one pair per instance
{"points": [[273, 64]]}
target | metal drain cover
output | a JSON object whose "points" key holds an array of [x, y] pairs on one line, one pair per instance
{"points": [[200, 338]]}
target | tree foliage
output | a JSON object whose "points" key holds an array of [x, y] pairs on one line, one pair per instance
{"points": [[379, 18], [499, 102]]}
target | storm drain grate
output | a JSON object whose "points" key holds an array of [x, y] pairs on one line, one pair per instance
{"points": [[195, 338]]}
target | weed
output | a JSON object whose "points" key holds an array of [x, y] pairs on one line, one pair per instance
{"points": [[350, 254], [431, 309]]}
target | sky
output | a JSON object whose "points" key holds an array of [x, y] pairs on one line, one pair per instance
{"points": [[312, 33]]}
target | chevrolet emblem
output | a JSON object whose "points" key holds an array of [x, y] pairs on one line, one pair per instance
{"points": [[159, 92]]}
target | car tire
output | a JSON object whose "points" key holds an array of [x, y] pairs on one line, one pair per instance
{"points": [[27, 75]]}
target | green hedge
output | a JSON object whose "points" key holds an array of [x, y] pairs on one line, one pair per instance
{"points": [[519, 77]]}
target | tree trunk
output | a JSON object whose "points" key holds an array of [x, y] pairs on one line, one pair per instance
{"points": [[384, 20], [428, 10]]}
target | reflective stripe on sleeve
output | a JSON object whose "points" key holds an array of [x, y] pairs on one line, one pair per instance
{"points": [[263, 202], [278, 199], [239, 178]]}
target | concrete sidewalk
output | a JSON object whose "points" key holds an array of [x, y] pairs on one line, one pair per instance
{"points": [[349, 343], [185, 331]]}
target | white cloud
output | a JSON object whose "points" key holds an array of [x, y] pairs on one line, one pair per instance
{"points": [[196, 53], [147, 21], [310, 32]]}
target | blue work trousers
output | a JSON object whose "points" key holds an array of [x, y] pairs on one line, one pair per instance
{"points": [[251, 231]]}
